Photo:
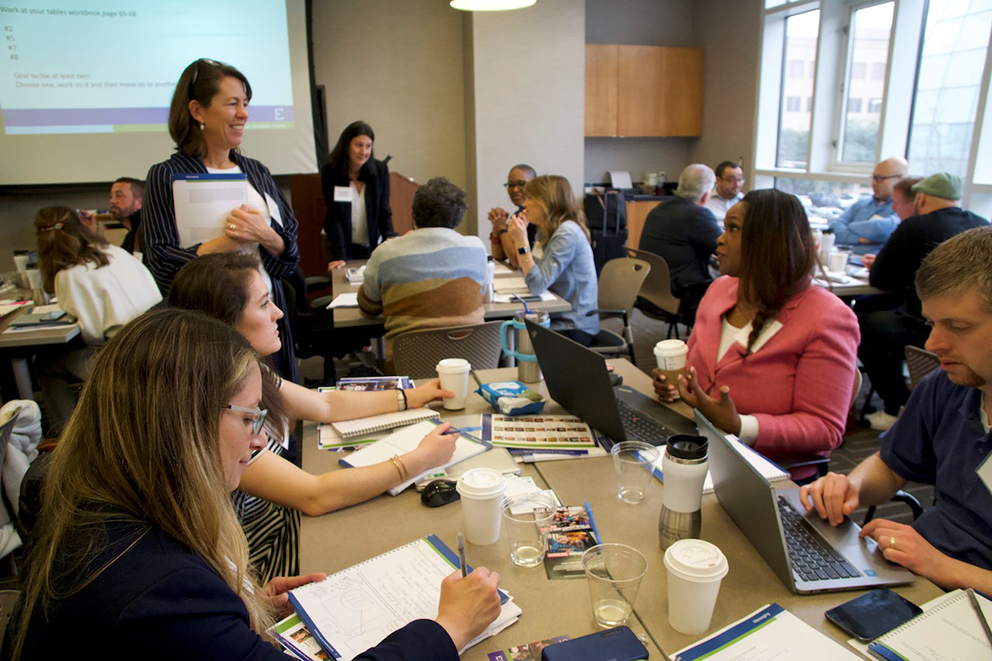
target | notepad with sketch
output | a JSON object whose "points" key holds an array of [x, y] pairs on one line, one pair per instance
{"points": [[948, 628], [382, 422], [404, 440], [356, 608]]}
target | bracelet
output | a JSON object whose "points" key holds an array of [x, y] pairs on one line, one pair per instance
{"points": [[401, 400], [494, 240], [400, 467]]}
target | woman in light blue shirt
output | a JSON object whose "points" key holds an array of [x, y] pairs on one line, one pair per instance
{"points": [[566, 266]]}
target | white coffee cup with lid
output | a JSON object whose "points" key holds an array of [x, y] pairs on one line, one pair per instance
{"points": [[695, 570], [454, 373], [671, 357], [481, 491]]}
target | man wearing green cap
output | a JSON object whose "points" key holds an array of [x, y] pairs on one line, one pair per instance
{"points": [[885, 333]]}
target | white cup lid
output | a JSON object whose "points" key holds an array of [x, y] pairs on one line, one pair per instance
{"points": [[453, 365], [481, 483], [671, 348], [696, 560]]}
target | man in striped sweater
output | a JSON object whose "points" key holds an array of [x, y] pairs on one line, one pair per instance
{"points": [[430, 277]]}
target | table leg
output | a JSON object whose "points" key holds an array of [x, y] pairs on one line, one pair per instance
{"points": [[22, 377]]}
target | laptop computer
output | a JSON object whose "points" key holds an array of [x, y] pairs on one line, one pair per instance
{"points": [[806, 552], [578, 379]]}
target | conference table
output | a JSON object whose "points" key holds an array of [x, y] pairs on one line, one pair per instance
{"points": [[550, 608], [18, 346], [349, 317]]}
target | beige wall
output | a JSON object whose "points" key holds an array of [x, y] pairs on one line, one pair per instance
{"points": [[731, 41], [398, 66], [528, 96]]}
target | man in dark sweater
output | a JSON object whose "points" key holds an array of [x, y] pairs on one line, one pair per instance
{"points": [[885, 333], [126, 195], [684, 232]]}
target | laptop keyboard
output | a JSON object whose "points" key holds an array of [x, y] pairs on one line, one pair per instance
{"points": [[811, 559], [639, 428]]}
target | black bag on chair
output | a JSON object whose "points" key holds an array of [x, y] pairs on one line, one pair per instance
{"points": [[606, 217]]}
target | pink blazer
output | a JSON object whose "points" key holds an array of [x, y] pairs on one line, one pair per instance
{"points": [[798, 384]]}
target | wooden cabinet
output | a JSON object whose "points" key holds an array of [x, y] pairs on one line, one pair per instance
{"points": [[637, 213], [643, 91]]}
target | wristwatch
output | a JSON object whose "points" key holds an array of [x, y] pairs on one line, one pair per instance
{"points": [[523, 250]]}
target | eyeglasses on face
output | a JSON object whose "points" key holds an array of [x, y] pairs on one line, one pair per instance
{"points": [[257, 422], [883, 177], [515, 184]]}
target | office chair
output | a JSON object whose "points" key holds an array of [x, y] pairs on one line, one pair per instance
{"points": [[655, 299], [619, 283], [417, 353]]}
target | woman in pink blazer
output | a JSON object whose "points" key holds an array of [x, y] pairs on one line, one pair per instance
{"points": [[771, 357]]}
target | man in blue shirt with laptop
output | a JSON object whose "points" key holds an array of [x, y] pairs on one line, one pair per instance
{"points": [[867, 224], [942, 438]]}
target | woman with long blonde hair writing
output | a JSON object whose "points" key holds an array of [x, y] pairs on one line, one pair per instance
{"points": [[139, 548]]}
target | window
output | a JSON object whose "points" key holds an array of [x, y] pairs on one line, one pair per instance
{"points": [[793, 104], [823, 200], [878, 70], [955, 44], [869, 31], [793, 131], [796, 68], [809, 104], [875, 105]]}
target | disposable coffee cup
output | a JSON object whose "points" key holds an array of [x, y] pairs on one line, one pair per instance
{"points": [[838, 261], [826, 247], [454, 373], [695, 570], [21, 262], [481, 491], [34, 278], [671, 356]]}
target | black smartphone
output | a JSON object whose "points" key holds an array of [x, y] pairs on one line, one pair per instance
{"points": [[872, 614], [617, 644]]}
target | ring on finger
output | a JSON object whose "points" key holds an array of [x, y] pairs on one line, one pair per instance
{"points": [[892, 542]]}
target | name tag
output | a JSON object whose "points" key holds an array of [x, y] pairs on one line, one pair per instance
{"points": [[342, 193], [274, 212]]}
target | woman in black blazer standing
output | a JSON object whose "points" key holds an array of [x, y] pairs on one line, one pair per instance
{"points": [[356, 190]]}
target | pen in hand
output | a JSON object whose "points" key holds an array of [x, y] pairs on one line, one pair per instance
{"points": [[461, 555]]}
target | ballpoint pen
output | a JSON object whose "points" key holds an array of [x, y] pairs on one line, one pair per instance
{"points": [[981, 615], [461, 554]]}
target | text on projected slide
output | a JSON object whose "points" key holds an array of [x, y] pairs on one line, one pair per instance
{"points": [[111, 66]]}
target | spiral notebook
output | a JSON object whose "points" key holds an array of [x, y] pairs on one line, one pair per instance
{"points": [[383, 422], [354, 609], [404, 440], [947, 629]]}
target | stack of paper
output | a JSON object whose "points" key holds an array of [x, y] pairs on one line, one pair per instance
{"points": [[770, 632], [541, 437], [355, 276]]}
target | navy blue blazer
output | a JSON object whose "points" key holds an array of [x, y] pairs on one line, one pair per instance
{"points": [[378, 214], [163, 600]]}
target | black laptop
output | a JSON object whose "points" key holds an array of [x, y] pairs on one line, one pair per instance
{"points": [[578, 379]]}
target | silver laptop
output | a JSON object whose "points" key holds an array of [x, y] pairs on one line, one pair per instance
{"points": [[578, 379], [806, 552]]}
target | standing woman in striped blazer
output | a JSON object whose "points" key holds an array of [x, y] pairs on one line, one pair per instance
{"points": [[207, 120]]}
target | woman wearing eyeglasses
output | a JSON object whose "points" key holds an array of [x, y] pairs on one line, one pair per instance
{"points": [[356, 190], [502, 244], [274, 491], [138, 545], [207, 122]]}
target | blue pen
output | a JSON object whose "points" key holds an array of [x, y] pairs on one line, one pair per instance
{"points": [[519, 298]]}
